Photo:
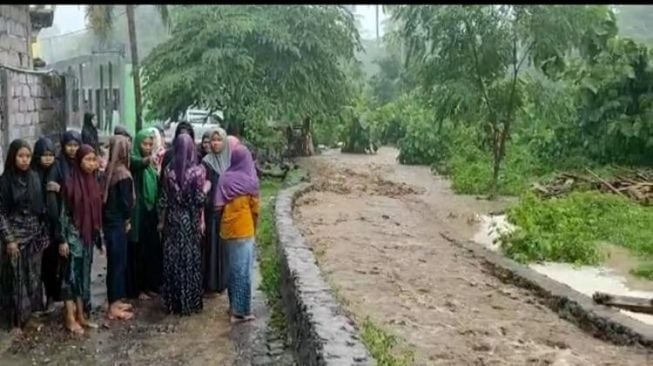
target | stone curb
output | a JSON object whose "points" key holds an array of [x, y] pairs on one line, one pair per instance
{"points": [[320, 332], [600, 321]]}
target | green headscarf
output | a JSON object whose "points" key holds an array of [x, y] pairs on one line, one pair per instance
{"points": [[150, 176]]}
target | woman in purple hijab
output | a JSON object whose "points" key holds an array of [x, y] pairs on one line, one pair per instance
{"points": [[238, 194], [180, 211]]}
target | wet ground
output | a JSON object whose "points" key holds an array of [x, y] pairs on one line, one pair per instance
{"points": [[151, 338], [375, 227]]}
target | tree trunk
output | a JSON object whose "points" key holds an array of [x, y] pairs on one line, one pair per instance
{"points": [[135, 66], [377, 23]]}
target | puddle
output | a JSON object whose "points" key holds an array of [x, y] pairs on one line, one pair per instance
{"points": [[612, 278]]}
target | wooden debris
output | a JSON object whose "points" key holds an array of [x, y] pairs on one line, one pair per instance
{"points": [[636, 185], [636, 304]]}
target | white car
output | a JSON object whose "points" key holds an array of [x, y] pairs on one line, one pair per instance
{"points": [[201, 121]]}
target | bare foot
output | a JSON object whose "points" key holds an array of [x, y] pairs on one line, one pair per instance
{"points": [[16, 332], [143, 296], [124, 305], [116, 313], [74, 327], [235, 319]]}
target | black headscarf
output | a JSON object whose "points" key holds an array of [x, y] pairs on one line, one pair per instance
{"points": [[122, 131], [200, 148], [42, 145], [89, 132], [64, 165], [182, 126], [20, 190]]}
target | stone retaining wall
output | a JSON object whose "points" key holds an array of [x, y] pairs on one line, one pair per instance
{"points": [[601, 321], [321, 334]]}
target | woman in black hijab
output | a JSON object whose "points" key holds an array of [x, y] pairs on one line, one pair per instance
{"points": [[89, 132], [23, 237], [121, 130], [42, 163]]}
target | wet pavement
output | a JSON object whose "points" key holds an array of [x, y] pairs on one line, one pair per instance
{"points": [[152, 337]]}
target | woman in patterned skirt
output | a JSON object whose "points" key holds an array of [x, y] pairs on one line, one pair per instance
{"points": [[23, 236], [181, 203], [79, 229]]}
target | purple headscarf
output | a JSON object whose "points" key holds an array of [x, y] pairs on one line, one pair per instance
{"points": [[239, 179], [183, 162]]}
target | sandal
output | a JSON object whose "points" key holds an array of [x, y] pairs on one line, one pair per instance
{"points": [[242, 318]]}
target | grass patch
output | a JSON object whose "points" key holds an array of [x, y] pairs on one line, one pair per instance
{"points": [[570, 229], [644, 270], [266, 239], [383, 346]]}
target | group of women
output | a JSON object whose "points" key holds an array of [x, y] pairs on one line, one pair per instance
{"points": [[177, 222]]}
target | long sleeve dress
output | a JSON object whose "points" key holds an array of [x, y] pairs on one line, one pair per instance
{"points": [[21, 290], [182, 257], [145, 263], [213, 258]]}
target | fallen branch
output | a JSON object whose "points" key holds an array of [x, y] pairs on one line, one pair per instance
{"points": [[607, 184], [636, 304]]}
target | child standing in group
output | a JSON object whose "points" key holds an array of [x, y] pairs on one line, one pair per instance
{"points": [[238, 194], [118, 203]]}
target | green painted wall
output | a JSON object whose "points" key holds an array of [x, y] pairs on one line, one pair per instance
{"points": [[128, 106]]}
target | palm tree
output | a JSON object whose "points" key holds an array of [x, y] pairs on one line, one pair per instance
{"points": [[377, 22], [100, 19]]}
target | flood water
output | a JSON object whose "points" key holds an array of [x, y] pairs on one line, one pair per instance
{"points": [[612, 277]]}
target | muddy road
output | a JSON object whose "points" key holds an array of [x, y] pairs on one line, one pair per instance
{"points": [[151, 338], [375, 228]]}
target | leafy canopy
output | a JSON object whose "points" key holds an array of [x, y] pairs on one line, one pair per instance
{"points": [[286, 62]]}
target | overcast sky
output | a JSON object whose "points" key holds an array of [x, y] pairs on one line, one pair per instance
{"points": [[70, 18]]}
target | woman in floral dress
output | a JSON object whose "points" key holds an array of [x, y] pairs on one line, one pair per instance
{"points": [[181, 203]]}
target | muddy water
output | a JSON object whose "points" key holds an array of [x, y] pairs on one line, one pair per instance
{"points": [[152, 338], [375, 227], [612, 277]]}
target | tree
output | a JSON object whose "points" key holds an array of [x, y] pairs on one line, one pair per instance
{"points": [[283, 62], [101, 18], [479, 52]]}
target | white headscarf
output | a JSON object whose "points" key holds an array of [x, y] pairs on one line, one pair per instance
{"points": [[219, 162]]}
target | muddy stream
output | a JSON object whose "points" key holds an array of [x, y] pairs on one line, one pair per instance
{"points": [[375, 228]]}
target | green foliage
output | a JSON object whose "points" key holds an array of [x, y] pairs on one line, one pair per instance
{"points": [[644, 270], [287, 61], [383, 346], [471, 60], [571, 229], [356, 132]]}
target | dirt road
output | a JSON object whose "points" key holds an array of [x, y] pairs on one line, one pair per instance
{"points": [[151, 338], [375, 227]]}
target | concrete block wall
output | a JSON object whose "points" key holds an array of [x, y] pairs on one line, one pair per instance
{"points": [[15, 34], [33, 105]]}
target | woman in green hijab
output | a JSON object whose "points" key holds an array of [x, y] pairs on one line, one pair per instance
{"points": [[145, 267]]}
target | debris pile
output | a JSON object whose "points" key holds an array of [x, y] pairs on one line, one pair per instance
{"points": [[634, 184]]}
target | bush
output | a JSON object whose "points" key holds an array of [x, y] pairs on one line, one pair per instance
{"points": [[570, 229]]}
